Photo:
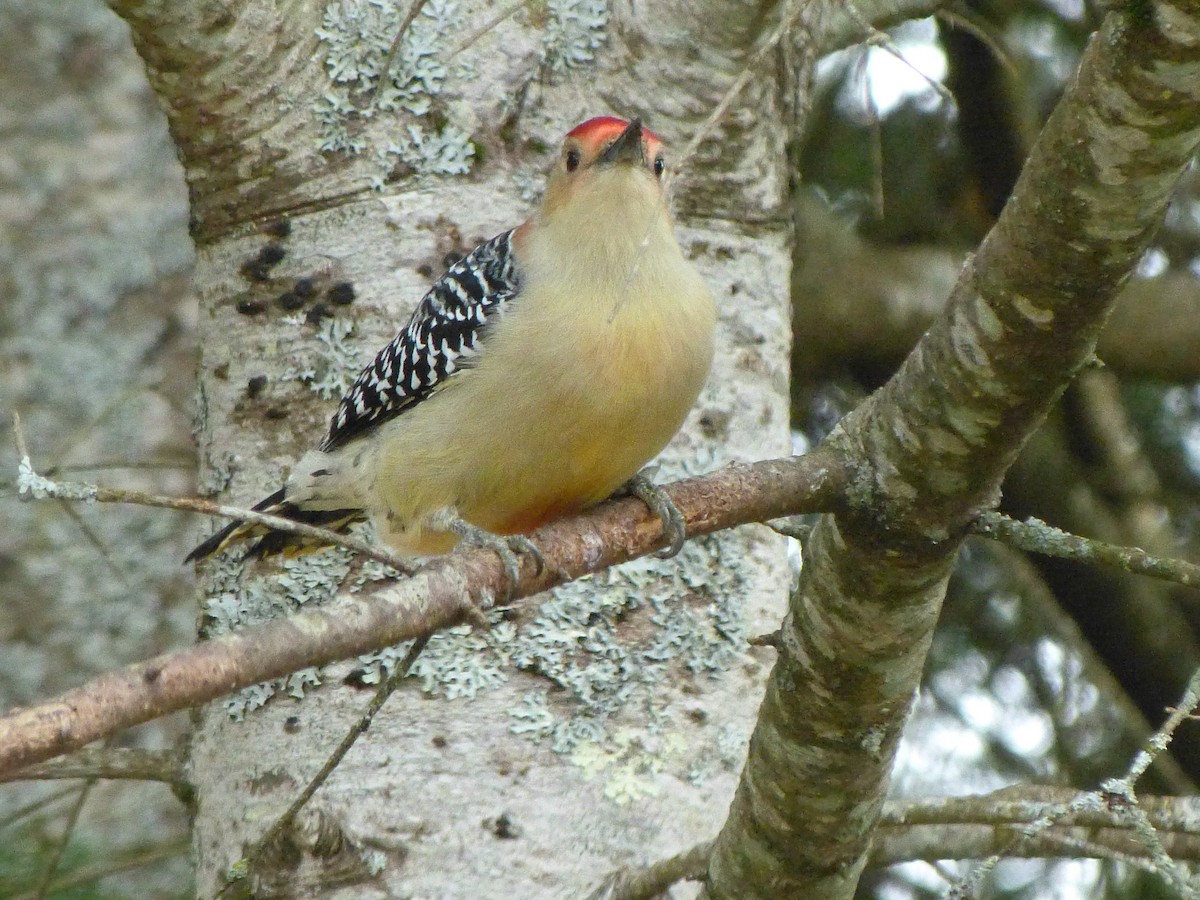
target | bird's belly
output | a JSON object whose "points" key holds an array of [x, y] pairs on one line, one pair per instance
{"points": [[594, 404]]}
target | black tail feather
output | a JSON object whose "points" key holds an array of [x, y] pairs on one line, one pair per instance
{"points": [[231, 532], [273, 541]]}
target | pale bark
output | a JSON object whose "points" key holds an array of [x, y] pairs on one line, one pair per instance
{"points": [[240, 84]]}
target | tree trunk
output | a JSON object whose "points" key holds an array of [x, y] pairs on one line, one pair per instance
{"points": [[609, 727]]}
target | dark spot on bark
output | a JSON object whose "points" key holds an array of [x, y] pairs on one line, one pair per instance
{"points": [[279, 228], [291, 724], [289, 301], [151, 675], [357, 679], [304, 287], [439, 741], [341, 293], [250, 306], [258, 267], [255, 385], [272, 254], [714, 424], [316, 313], [253, 270], [503, 827]]}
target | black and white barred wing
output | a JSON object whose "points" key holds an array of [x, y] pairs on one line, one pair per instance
{"points": [[445, 330]]}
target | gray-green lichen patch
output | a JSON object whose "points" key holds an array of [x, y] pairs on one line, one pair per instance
{"points": [[601, 653], [444, 151], [575, 29], [605, 656], [369, 74], [234, 600], [328, 365]]}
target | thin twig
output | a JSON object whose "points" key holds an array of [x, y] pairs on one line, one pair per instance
{"points": [[23, 812], [1116, 797], [413, 12], [491, 23], [56, 854], [652, 881], [97, 543], [357, 730], [32, 486], [124, 763], [1036, 536], [739, 84], [443, 593], [123, 464], [90, 874], [962, 16]]}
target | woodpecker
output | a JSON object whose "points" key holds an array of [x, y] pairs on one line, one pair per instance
{"points": [[534, 379]]}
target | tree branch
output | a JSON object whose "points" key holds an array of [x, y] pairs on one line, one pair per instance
{"points": [[1035, 536], [843, 286], [974, 827], [929, 450], [436, 597], [124, 763]]}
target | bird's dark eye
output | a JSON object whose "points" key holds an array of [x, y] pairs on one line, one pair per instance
{"points": [[573, 158], [660, 166]]}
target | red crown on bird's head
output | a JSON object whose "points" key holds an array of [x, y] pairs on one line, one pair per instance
{"points": [[600, 129]]}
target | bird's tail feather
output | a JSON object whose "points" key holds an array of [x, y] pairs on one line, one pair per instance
{"points": [[267, 540]]}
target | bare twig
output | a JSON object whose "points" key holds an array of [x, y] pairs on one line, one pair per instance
{"points": [[124, 763], [488, 26], [786, 23], [1036, 536], [1116, 801], [60, 846], [962, 16], [101, 548], [390, 59], [965, 827], [880, 39], [284, 823], [441, 594], [90, 874], [653, 880], [32, 486], [29, 809]]}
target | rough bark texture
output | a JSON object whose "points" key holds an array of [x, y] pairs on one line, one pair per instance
{"points": [[931, 448], [243, 87]]}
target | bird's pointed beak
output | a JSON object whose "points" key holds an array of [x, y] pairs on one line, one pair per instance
{"points": [[627, 148]]}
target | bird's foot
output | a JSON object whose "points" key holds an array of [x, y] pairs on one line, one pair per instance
{"points": [[505, 546], [674, 528]]}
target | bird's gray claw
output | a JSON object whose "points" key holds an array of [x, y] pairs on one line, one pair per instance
{"points": [[505, 546], [674, 528], [522, 544]]}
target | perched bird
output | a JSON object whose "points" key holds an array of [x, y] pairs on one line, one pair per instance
{"points": [[534, 379]]}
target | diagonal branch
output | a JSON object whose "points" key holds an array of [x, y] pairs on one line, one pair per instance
{"points": [[437, 596], [928, 451]]}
